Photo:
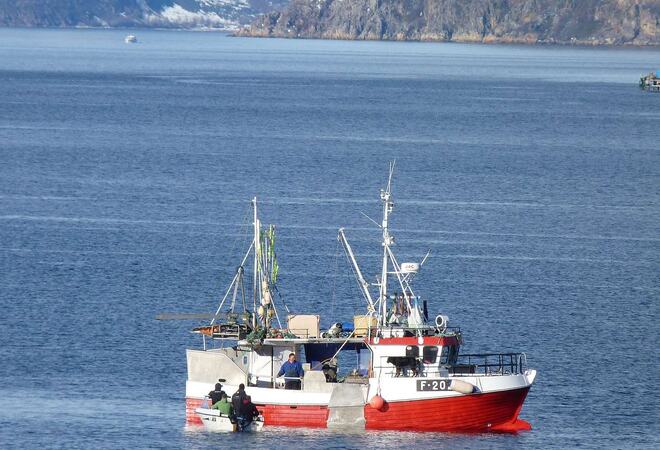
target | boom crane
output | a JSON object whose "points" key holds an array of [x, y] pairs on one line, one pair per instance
{"points": [[364, 285]]}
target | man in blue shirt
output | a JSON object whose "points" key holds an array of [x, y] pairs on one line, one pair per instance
{"points": [[292, 371]]}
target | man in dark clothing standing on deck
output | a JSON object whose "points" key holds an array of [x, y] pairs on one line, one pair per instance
{"points": [[292, 371]]}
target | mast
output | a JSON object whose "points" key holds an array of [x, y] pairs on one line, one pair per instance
{"points": [[255, 277], [388, 240]]}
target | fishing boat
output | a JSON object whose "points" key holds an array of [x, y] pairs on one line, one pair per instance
{"points": [[130, 39], [650, 82], [394, 367]]}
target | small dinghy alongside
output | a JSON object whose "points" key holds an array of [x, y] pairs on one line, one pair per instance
{"points": [[214, 420]]}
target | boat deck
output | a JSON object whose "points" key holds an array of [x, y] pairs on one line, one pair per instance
{"points": [[320, 340]]}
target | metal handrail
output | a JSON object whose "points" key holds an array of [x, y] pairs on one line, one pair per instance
{"points": [[489, 364], [274, 378], [499, 363]]}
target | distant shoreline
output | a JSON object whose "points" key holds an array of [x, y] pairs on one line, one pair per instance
{"points": [[521, 42], [238, 32], [228, 31]]}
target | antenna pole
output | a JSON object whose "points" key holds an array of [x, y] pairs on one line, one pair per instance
{"points": [[388, 205]]}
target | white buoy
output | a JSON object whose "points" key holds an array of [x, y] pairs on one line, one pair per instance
{"points": [[461, 386]]}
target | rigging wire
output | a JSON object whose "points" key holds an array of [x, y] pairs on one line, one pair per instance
{"points": [[235, 242], [334, 280], [275, 288]]}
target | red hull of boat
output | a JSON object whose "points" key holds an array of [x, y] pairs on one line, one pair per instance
{"points": [[496, 411], [315, 416], [191, 416], [295, 416]]}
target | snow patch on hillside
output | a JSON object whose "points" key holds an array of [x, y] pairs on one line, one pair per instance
{"points": [[177, 16], [233, 3]]}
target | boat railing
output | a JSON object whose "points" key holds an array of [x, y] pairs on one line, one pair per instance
{"points": [[482, 364], [275, 382], [453, 330], [489, 364]]}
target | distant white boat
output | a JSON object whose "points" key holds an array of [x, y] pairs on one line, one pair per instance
{"points": [[130, 39]]}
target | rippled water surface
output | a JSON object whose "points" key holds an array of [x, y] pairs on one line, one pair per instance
{"points": [[531, 173]]}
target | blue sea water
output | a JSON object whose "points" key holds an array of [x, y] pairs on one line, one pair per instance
{"points": [[531, 173]]}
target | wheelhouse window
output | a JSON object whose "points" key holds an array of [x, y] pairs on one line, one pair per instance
{"points": [[412, 351], [430, 354]]}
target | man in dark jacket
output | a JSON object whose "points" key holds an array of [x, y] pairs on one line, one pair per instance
{"points": [[292, 371], [216, 394], [242, 411], [250, 411]]}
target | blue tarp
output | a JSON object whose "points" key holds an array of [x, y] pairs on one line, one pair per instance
{"points": [[657, 73]]}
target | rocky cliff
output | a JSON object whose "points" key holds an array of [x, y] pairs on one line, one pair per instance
{"points": [[593, 22], [222, 14]]}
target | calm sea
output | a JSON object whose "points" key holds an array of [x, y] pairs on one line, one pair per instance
{"points": [[531, 173]]}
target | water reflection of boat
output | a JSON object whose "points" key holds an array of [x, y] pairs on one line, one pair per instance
{"points": [[130, 39], [392, 368]]}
